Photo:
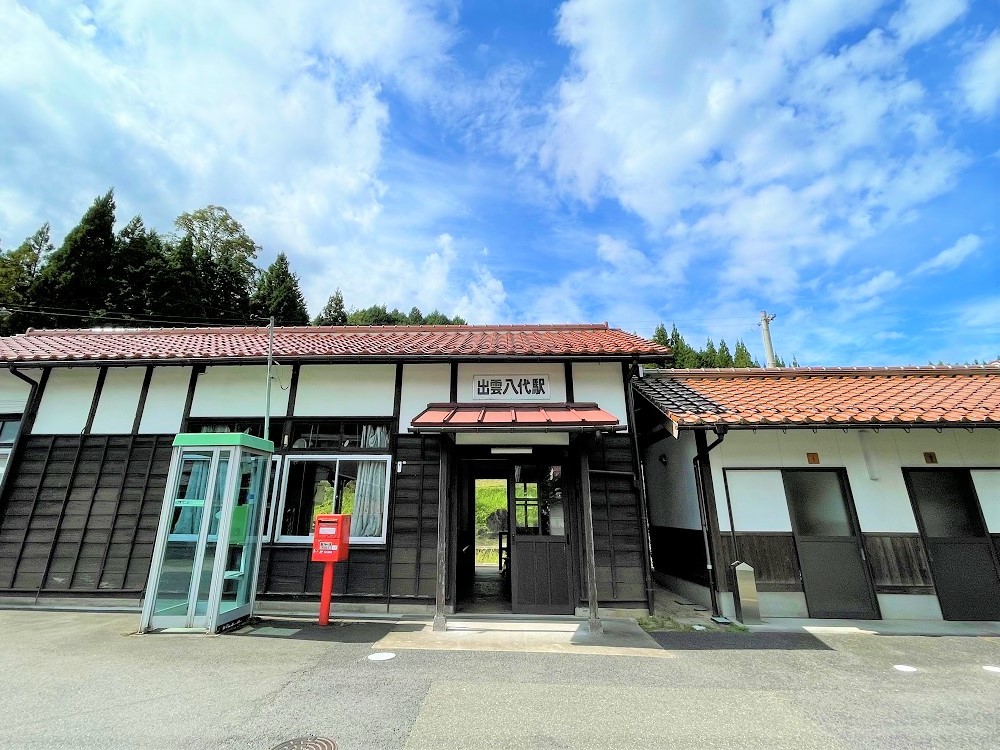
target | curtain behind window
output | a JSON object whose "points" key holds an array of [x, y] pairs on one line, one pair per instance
{"points": [[369, 496]]}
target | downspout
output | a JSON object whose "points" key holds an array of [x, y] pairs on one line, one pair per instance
{"points": [[699, 481], [27, 422], [640, 480]]}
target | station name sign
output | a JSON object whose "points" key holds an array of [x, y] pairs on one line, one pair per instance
{"points": [[511, 388]]}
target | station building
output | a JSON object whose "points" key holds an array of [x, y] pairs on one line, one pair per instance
{"points": [[854, 493], [396, 425]]}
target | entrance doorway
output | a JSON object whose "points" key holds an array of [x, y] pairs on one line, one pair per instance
{"points": [[514, 538], [959, 549], [835, 578]]}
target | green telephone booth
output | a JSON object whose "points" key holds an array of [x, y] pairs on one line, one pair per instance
{"points": [[204, 568]]}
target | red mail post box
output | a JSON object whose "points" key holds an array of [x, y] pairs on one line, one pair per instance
{"points": [[331, 537]]}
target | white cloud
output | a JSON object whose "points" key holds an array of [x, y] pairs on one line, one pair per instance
{"points": [[951, 257], [980, 77], [276, 111], [919, 20], [753, 132]]}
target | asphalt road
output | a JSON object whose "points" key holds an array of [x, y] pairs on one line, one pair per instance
{"points": [[80, 681]]}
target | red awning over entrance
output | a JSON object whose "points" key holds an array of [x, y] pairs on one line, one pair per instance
{"points": [[456, 417]]}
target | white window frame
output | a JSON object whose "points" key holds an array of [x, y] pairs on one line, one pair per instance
{"points": [[385, 458], [267, 532]]}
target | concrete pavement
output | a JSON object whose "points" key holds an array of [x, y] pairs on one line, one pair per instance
{"points": [[79, 680]]}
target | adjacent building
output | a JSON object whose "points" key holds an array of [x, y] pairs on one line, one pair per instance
{"points": [[854, 493]]}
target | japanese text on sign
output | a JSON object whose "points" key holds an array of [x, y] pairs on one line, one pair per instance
{"points": [[510, 388]]}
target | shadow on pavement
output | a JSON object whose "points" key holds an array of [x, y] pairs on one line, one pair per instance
{"points": [[687, 641], [335, 632]]}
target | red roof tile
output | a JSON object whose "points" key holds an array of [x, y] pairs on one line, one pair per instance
{"points": [[333, 342], [825, 396], [506, 417]]}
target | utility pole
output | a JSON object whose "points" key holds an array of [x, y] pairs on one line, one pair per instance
{"points": [[267, 391], [765, 320]]}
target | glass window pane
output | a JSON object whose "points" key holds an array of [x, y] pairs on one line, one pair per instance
{"points": [[946, 503], [316, 435], [817, 504], [182, 536], [308, 493], [8, 431], [211, 543], [241, 552], [361, 492]]}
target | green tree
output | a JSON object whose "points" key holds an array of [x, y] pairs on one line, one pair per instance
{"points": [[137, 263], [333, 314], [742, 356], [376, 315], [177, 285], [660, 335], [723, 357], [18, 270], [708, 357], [685, 355], [278, 295], [225, 255], [76, 275]]}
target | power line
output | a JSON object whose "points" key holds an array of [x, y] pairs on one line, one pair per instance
{"points": [[111, 316]]}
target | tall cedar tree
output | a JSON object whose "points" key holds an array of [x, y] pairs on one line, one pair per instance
{"points": [[278, 295], [333, 314], [76, 275]]}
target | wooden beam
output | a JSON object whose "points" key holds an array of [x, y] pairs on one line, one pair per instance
{"points": [[440, 621], [588, 538]]}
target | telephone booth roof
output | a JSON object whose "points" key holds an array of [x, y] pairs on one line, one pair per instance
{"points": [[213, 439]]}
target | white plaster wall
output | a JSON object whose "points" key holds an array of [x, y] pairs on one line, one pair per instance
{"points": [[987, 483], [164, 406], [873, 462], [601, 382], [238, 391], [467, 373], [909, 607], [14, 392], [66, 401], [346, 391], [422, 385], [673, 497], [877, 485], [758, 499], [119, 399]]}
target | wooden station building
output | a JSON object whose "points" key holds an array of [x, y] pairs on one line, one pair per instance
{"points": [[393, 424]]}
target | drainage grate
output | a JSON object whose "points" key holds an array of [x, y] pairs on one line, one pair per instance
{"points": [[307, 743]]}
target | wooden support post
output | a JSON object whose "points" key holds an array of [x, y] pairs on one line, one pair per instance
{"points": [[588, 532], [440, 621]]}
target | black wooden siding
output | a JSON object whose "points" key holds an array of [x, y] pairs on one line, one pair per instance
{"points": [[618, 547], [81, 512], [413, 518]]}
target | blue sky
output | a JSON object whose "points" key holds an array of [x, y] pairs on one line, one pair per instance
{"points": [[835, 162]]}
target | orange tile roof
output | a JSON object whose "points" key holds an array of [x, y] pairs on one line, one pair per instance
{"points": [[509, 417], [327, 342], [825, 396]]}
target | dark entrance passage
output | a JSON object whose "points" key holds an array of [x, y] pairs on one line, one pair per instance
{"points": [[835, 579], [541, 581], [962, 558], [514, 537]]}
